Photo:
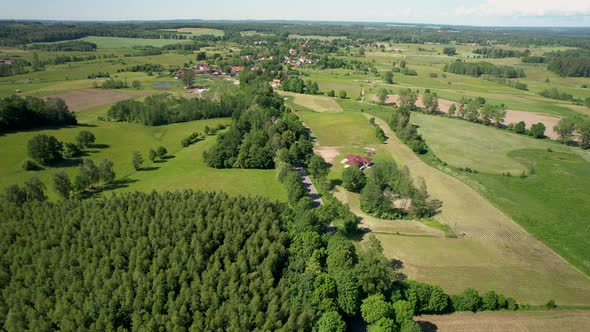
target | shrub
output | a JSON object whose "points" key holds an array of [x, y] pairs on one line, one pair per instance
{"points": [[45, 149], [29, 165]]}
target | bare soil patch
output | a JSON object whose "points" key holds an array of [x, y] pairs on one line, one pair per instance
{"points": [[85, 99], [559, 320], [329, 153]]}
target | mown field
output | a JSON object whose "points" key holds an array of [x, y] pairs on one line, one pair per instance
{"points": [[491, 251], [550, 321]]}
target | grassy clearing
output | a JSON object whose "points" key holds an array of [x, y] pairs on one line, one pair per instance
{"points": [[491, 251], [199, 31], [314, 103], [118, 42], [555, 320], [116, 141], [485, 149]]}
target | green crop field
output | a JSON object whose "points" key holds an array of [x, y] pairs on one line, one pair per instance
{"points": [[485, 149]]}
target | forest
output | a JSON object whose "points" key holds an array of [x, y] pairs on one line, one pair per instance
{"points": [[68, 46], [575, 63], [497, 53], [17, 113]]}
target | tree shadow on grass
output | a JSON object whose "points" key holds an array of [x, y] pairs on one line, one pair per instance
{"points": [[427, 326], [168, 157], [87, 125], [149, 169], [72, 162], [99, 146]]}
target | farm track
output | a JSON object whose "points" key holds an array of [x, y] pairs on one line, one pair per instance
{"points": [[532, 272]]}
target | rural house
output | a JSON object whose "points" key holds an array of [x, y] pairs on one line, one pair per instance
{"points": [[358, 161]]}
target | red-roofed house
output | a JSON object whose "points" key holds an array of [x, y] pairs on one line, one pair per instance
{"points": [[6, 62], [236, 69], [292, 51], [358, 161]]}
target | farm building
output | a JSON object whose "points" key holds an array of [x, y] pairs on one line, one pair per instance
{"points": [[358, 161], [236, 69]]}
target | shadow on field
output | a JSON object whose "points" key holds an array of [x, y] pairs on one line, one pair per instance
{"points": [[427, 326], [100, 146], [168, 157], [86, 125], [120, 183], [150, 169], [69, 162]]}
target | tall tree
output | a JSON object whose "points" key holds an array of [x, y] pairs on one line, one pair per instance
{"points": [[188, 78], [62, 184], [136, 160], [565, 129]]}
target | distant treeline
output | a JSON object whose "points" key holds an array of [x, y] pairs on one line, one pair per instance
{"points": [[68, 46], [477, 69], [17, 33], [18, 113], [161, 110], [573, 63], [496, 53]]}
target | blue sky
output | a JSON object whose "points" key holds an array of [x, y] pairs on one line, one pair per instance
{"points": [[460, 12]]}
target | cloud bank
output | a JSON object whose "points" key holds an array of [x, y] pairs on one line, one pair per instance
{"points": [[527, 8]]}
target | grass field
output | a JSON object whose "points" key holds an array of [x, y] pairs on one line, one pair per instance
{"points": [[491, 252], [118, 42], [327, 38], [117, 141], [485, 149], [315, 103], [199, 31], [522, 321]]}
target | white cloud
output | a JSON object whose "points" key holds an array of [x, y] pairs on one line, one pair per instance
{"points": [[527, 8]]}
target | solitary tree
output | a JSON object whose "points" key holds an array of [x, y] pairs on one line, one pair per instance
{"points": [[318, 167], [407, 98], [430, 102], [85, 138], [152, 155], [520, 128], [62, 184], [342, 94], [161, 152], [383, 96], [583, 129], [538, 130], [136, 160], [353, 179], [188, 78], [565, 129], [452, 109], [105, 171], [389, 77], [45, 149], [35, 189]]}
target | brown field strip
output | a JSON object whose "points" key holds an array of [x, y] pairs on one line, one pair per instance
{"points": [[86, 99]]}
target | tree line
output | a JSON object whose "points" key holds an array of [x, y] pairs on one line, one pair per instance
{"points": [[68, 46], [161, 110], [477, 69], [498, 53], [18, 113]]}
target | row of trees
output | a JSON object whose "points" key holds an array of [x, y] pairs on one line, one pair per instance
{"points": [[477, 69], [18, 113], [497, 53], [160, 110], [68, 46], [574, 63], [297, 85]]}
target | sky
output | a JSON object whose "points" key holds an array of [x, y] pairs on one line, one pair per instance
{"points": [[457, 12]]}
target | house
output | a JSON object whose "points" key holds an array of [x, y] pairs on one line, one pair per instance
{"points": [[358, 161], [292, 51], [6, 62], [178, 74], [236, 69], [275, 83]]}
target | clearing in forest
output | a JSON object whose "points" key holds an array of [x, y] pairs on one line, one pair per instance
{"points": [[86, 99], [315, 103]]}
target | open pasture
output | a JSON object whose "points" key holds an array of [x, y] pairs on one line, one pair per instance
{"points": [[198, 31], [485, 149], [116, 141], [315, 103], [119, 42], [80, 100]]}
